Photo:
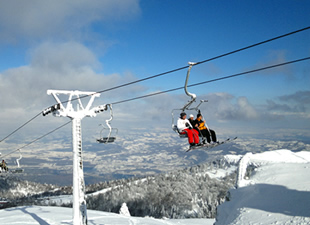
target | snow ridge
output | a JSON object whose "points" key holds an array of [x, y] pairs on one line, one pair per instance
{"points": [[242, 168], [278, 156], [277, 192]]}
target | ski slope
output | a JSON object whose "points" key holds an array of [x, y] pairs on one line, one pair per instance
{"points": [[277, 192]]}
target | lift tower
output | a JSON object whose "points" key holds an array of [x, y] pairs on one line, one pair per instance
{"points": [[79, 202]]}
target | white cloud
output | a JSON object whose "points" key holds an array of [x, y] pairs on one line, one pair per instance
{"points": [[245, 109], [21, 20], [292, 109], [226, 107], [301, 97], [275, 57], [61, 66], [71, 66], [58, 56]]}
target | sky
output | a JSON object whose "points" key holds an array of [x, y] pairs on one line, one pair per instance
{"points": [[96, 45]]}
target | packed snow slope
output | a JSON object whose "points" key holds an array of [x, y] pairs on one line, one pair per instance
{"points": [[277, 191]]}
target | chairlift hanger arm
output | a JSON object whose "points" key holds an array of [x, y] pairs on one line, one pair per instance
{"points": [[193, 96], [20, 157], [111, 114], [104, 108], [186, 81]]}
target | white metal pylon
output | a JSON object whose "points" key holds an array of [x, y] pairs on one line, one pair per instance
{"points": [[79, 202]]}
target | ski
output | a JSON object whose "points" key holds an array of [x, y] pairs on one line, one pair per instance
{"points": [[209, 146]]}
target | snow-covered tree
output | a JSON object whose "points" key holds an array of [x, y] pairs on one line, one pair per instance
{"points": [[124, 210]]}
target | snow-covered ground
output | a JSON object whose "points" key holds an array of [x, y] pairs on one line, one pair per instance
{"points": [[31, 215], [277, 192]]}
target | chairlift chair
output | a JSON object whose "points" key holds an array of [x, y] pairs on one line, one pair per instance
{"points": [[176, 112], [186, 107], [109, 138], [111, 132], [18, 169]]}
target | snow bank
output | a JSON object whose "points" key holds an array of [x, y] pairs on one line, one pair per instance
{"points": [[278, 192]]}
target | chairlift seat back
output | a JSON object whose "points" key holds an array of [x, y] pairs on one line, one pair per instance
{"points": [[19, 170], [181, 135], [106, 139]]}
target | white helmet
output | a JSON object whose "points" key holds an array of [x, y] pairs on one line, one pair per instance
{"points": [[191, 115]]}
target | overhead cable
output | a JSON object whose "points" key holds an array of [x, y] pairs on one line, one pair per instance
{"points": [[31, 142], [20, 127], [200, 62], [213, 80], [254, 45], [174, 89], [170, 71]]}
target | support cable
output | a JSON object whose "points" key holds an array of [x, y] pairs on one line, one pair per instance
{"points": [[201, 62], [213, 80], [171, 71], [174, 89], [31, 142], [254, 45], [20, 127]]}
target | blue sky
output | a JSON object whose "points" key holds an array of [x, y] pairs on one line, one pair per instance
{"points": [[94, 45]]}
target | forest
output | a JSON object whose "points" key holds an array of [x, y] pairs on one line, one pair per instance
{"points": [[187, 193]]}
